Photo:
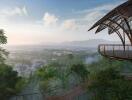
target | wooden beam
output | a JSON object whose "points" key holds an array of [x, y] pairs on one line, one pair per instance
{"points": [[118, 33], [130, 38]]}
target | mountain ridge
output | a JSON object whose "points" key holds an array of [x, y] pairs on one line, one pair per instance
{"points": [[89, 43]]}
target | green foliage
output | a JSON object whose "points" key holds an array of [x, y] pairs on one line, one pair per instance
{"points": [[104, 63], [80, 70], [46, 72], [3, 55], [3, 52], [55, 78], [108, 84], [103, 77], [3, 38], [8, 81], [21, 84], [70, 56], [46, 75]]}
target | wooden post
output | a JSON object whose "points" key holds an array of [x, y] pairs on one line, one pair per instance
{"points": [[113, 50], [104, 50]]}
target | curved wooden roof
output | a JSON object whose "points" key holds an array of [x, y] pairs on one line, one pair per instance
{"points": [[117, 19]]}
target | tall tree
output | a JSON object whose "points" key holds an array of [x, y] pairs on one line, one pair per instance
{"points": [[10, 82]]}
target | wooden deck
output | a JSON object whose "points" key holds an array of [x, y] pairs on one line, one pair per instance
{"points": [[116, 51]]}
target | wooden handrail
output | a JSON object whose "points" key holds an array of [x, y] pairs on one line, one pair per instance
{"points": [[114, 45], [116, 51]]}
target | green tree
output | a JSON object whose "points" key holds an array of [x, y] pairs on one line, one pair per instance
{"points": [[52, 74], [108, 84], [3, 52], [80, 70], [70, 56], [46, 74], [8, 81]]}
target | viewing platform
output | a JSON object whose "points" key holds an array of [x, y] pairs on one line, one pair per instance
{"points": [[118, 21], [117, 51]]}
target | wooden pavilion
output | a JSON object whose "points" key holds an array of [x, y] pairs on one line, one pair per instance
{"points": [[118, 21]]}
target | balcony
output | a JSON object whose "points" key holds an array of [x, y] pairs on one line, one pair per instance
{"points": [[116, 51]]}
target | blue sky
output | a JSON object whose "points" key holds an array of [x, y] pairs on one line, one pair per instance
{"points": [[51, 21], [36, 8]]}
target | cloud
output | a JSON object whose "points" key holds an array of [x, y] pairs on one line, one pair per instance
{"points": [[106, 7], [10, 14], [24, 9], [99, 8], [51, 28], [49, 19], [92, 17], [17, 11], [69, 24]]}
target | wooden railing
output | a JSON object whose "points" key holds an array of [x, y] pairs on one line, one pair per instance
{"points": [[116, 51]]}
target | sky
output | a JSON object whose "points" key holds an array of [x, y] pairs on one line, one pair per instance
{"points": [[53, 21]]}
